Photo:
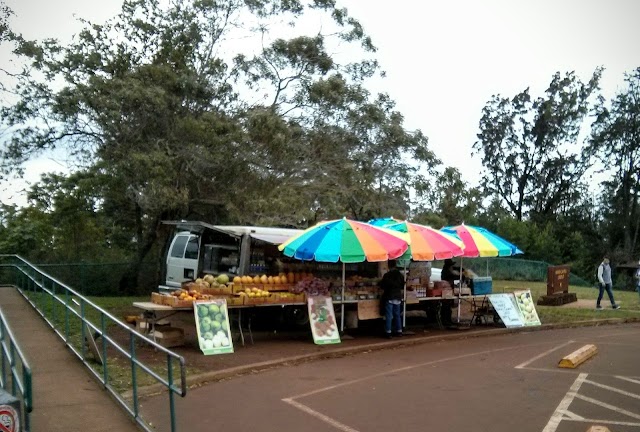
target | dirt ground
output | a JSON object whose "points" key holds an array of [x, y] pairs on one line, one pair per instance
{"points": [[272, 341]]}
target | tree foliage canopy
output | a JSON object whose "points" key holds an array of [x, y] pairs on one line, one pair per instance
{"points": [[172, 117], [528, 146]]}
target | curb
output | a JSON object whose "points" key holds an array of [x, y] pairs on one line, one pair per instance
{"points": [[253, 368]]}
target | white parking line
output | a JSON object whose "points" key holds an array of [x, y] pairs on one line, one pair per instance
{"points": [[607, 422], [628, 379], [608, 406], [558, 415], [613, 389], [341, 426], [544, 354], [405, 368], [325, 418]]}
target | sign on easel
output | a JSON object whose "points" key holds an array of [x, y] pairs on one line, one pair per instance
{"points": [[323, 320], [505, 305], [527, 307], [212, 326]]}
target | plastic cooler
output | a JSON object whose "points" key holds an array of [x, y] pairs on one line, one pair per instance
{"points": [[482, 285]]}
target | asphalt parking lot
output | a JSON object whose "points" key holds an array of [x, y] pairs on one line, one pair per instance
{"points": [[499, 383]]}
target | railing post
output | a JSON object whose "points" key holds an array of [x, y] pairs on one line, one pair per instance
{"points": [[134, 375], [12, 365], [172, 404], [67, 302], [27, 397], [3, 377], [103, 329], [83, 333], [53, 300]]}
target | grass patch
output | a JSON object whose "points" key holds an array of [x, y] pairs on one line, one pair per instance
{"points": [[119, 367], [629, 302]]}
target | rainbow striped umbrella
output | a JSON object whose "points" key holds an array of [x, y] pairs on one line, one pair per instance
{"points": [[480, 242], [426, 243], [347, 241]]}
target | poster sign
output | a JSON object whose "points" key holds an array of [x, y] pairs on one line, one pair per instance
{"points": [[323, 320], [527, 307], [505, 305], [212, 326]]}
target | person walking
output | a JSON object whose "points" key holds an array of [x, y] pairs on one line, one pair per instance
{"points": [[604, 277], [392, 284], [637, 276]]}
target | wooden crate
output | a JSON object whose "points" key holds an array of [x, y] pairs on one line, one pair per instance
{"points": [[157, 298], [169, 336]]}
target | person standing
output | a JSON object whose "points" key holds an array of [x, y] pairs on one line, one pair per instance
{"points": [[604, 277], [392, 284]]}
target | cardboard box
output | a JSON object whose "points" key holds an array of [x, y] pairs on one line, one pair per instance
{"points": [[168, 336], [143, 326], [463, 291], [157, 298], [235, 301], [435, 292]]}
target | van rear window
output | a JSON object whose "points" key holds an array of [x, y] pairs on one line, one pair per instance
{"points": [[177, 251], [192, 248]]}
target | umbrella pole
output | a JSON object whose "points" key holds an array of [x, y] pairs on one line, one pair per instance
{"points": [[404, 304], [459, 290], [342, 301]]}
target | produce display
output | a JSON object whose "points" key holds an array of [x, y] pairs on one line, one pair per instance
{"points": [[312, 286], [284, 288]]}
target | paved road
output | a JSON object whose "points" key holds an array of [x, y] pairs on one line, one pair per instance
{"points": [[500, 384]]}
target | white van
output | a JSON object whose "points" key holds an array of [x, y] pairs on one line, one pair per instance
{"points": [[199, 248]]}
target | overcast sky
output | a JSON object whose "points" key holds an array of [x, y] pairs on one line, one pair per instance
{"points": [[444, 59]]}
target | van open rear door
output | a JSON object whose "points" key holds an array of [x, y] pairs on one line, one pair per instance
{"points": [[182, 260]]}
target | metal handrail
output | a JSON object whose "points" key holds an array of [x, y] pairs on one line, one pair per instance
{"points": [[30, 279], [21, 381]]}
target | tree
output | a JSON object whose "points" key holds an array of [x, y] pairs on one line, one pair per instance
{"points": [[162, 110], [448, 201], [528, 147], [615, 142]]}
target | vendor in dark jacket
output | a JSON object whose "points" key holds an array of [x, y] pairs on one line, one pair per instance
{"points": [[392, 284], [451, 274]]}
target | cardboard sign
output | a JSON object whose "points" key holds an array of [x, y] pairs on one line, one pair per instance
{"points": [[527, 307], [505, 305], [212, 326], [368, 309], [323, 320]]}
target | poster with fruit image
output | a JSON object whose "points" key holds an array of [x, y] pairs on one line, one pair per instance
{"points": [[527, 307], [323, 320], [212, 326]]}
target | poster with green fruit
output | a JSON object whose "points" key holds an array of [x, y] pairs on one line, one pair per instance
{"points": [[323, 320], [212, 326], [527, 307]]}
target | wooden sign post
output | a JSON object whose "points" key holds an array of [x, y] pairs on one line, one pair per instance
{"points": [[558, 287]]}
